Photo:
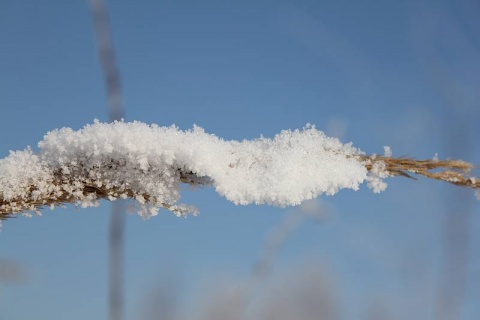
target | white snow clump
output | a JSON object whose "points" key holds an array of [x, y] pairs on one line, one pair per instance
{"points": [[149, 163]]}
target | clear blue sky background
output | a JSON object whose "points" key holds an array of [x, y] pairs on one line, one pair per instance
{"points": [[400, 73]]}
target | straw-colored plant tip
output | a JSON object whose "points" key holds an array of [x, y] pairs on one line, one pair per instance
{"points": [[149, 163], [451, 171]]}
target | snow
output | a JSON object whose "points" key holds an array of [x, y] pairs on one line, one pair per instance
{"points": [[387, 151], [376, 176], [145, 162]]}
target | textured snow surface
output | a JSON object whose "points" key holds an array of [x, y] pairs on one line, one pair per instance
{"points": [[146, 161]]}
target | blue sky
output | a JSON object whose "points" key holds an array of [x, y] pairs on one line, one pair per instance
{"points": [[404, 74]]}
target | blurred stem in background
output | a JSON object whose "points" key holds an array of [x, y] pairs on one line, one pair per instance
{"points": [[111, 74], [233, 302], [458, 213], [446, 48]]}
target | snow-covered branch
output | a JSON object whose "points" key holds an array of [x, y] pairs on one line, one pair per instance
{"points": [[148, 163]]}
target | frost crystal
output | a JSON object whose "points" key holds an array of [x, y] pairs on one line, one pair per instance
{"points": [[387, 151], [148, 163], [376, 176]]}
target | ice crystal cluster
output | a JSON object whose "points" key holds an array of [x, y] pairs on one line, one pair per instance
{"points": [[149, 163]]}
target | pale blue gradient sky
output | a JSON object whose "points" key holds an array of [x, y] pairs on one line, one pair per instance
{"points": [[391, 73]]}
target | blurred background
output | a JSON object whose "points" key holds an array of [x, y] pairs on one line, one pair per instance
{"points": [[400, 73]]}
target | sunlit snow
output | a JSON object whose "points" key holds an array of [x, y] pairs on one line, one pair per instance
{"points": [[149, 163]]}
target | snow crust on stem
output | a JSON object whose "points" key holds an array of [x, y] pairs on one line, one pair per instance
{"points": [[149, 163]]}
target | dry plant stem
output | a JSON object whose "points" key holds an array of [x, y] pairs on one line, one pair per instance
{"points": [[451, 171]]}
